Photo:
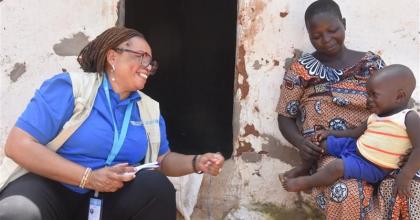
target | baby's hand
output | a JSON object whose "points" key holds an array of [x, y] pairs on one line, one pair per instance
{"points": [[402, 186]]}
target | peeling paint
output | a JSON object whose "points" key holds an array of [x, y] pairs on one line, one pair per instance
{"points": [[277, 150], [257, 65], [240, 19], [250, 129], [284, 14], [244, 146], [262, 152], [71, 46], [241, 71], [257, 172], [256, 109], [251, 157], [276, 62], [251, 21], [17, 71]]}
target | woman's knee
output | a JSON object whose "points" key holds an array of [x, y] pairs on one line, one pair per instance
{"points": [[158, 184], [19, 207]]}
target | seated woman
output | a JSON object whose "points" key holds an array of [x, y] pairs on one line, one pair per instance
{"points": [[82, 134], [327, 90], [380, 144]]}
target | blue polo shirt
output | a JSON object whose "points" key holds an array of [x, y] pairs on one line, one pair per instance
{"points": [[52, 106]]}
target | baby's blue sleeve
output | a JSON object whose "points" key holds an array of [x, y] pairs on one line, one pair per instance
{"points": [[49, 109], [164, 143]]}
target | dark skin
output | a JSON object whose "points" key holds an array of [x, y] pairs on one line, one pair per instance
{"points": [[383, 100], [327, 34]]}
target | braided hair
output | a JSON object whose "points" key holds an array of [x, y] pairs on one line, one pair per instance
{"points": [[322, 6], [92, 57]]}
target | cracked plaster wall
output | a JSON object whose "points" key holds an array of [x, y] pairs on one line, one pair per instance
{"points": [[38, 40]]}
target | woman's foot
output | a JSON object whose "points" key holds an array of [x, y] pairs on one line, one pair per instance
{"points": [[296, 184]]}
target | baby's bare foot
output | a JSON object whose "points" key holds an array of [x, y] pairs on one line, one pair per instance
{"points": [[295, 184], [296, 172]]}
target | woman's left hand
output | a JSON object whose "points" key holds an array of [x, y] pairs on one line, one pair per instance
{"points": [[210, 163]]}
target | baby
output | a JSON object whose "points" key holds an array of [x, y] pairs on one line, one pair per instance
{"points": [[380, 144]]}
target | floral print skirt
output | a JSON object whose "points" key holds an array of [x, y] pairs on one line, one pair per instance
{"points": [[354, 199]]}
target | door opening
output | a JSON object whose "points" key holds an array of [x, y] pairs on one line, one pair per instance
{"points": [[194, 43]]}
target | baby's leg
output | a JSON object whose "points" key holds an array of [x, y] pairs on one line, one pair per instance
{"points": [[324, 177], [300, 170], [306, 166]]}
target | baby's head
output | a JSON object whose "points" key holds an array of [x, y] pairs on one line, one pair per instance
{"points": [[390, 89]]}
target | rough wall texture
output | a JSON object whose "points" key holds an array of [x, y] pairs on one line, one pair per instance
{"points": [[39, 38]]}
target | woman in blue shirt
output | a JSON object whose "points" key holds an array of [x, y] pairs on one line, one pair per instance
{"points": [[93, 171]]}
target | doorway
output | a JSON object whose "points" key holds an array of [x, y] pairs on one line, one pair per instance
{"points": [[194, 43]]}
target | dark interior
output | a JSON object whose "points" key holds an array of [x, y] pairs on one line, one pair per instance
{"points": [[194, 43]]}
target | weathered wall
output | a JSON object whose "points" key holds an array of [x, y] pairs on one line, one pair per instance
{"points": [[39, 38]]}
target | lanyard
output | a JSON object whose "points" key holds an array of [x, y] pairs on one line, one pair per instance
{"points": [[118, 137]]}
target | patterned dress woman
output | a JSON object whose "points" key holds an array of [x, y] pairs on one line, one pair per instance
{"points": [[321, 97], [327, 90]]}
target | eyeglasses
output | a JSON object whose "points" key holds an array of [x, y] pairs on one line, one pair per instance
{"points": [[143, 58]]}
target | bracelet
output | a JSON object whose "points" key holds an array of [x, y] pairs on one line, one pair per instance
{"points": [[193, 165], [85, 176]]}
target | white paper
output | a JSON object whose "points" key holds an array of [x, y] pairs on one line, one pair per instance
{"points": [[146, 166]]}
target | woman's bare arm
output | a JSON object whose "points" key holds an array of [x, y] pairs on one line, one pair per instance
{"points": [[175, 164]]}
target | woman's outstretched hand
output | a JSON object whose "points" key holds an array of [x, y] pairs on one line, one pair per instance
{"points": [[210, 163], [110, 179]]}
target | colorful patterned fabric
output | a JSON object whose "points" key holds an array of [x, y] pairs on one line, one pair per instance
{"points": [[320, 97], [385, 140], [399, 208], [324, 98], [346, 199]]}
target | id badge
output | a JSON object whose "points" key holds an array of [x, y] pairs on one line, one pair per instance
{"points": [[95, 206]]}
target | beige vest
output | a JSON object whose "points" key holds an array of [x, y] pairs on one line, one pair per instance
{"points": [[85, 88]]}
